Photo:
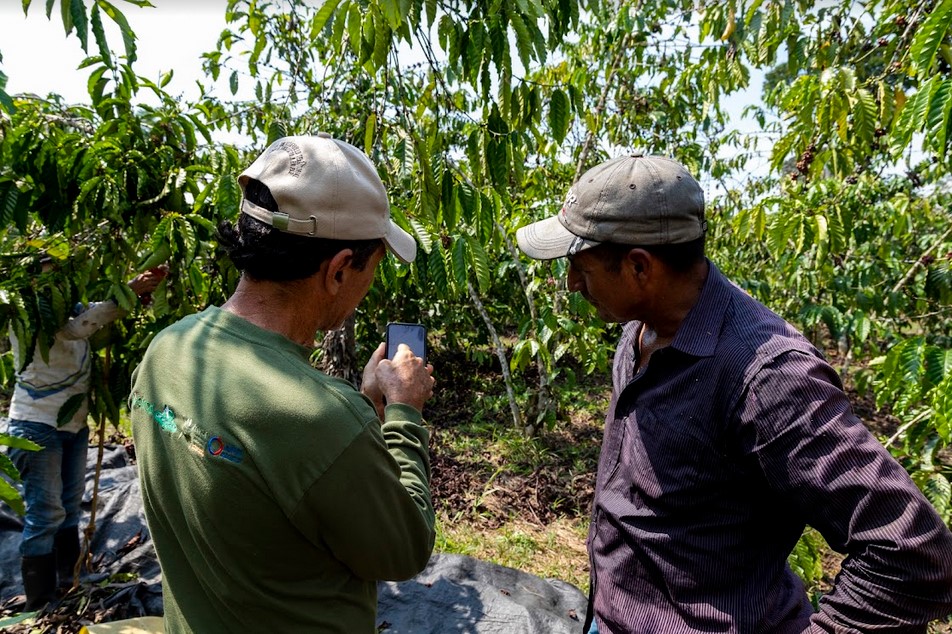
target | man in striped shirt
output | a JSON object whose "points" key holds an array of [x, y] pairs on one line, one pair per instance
{"points": [[727, 434]]}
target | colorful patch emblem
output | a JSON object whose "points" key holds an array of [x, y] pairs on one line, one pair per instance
{"points": [[199, 440]]}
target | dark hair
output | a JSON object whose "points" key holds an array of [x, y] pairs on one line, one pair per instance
{"points": [[679, 257], [265, 253]]}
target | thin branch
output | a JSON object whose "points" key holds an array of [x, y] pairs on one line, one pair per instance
{"points": [[500, 354], [918, 263], [602, 99]]}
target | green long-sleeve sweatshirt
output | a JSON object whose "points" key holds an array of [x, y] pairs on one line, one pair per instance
{"points": [[275, 498]]}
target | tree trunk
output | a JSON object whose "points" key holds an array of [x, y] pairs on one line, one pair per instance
{"points": [[339, 349]]}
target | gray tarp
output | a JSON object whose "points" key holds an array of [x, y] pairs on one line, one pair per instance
{"points": [[454, 593]]}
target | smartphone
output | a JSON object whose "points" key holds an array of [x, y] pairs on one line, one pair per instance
{"points": [[414, 335]]}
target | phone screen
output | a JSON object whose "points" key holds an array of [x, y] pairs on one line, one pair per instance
{"points": [[414, 335]]}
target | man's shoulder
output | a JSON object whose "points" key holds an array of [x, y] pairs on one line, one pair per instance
{"points": [[346, 395], [183, 324], [757, 336]]}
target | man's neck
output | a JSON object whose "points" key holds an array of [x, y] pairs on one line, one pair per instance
{"points": [[278, 307], [681, 294]]}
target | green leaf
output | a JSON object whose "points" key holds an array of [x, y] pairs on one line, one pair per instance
{"points": [[99, 34], [382, 34], [864, 117], [124, 296], [938, 490], [448, 201], [559, 115], [436, 267], [929, 37], [8, 202], [422, 235], [276, 130], [205, 223], [861, 326], [69, 409], [9, 495], [912, 117], [158, 256], [370, 130], [391, 11], [228, 195], [128, 36], [523, 39], [6, 101], [937, 119], [160, 299], [497, 162], [353, 28], [321, 17], [233, 82], [17, 442], [468, 200], [480, 264], [822, 238], [937, 365], [487, 212], [460, 269], [58, 303], [66, 14], [7, 467], [186, 235], [197, 280], [806, 559]]}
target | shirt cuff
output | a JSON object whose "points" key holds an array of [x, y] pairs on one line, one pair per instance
{"points": [[402, 412]]}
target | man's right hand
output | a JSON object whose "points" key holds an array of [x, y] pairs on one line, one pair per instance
{"points": [[405, 379]]}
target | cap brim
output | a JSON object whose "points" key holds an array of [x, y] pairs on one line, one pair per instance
{"points": [[549, 239], [400, 243]]}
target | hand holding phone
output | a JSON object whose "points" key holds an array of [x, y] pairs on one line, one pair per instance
{"points": [[409, 380], [414, 335]]}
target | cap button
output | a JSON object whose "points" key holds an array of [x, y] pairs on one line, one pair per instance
{"points": [[324, 135], [637, 154]]}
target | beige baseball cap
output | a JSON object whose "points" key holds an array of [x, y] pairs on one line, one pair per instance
{"points": [[635, 199], [325, 188]]}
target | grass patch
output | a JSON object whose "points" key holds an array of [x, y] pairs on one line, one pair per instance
{"points": [[553, 551]]}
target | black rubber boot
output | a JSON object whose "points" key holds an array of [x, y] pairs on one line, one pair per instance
{"points": [[39, 580], [66, 549]]}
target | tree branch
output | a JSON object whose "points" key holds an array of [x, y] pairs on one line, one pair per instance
{"points": [[500, 354]]}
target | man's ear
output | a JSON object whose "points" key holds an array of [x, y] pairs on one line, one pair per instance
{"points": [[337, 269], [639, 261]]}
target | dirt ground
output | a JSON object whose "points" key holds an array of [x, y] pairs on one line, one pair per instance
{"points": [[545, 493]]}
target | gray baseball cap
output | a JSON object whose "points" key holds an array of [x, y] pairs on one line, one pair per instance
{"points": [[635, 199], [325, 188]]}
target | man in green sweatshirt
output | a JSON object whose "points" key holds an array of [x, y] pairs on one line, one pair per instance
{"points": [[276, 495]]}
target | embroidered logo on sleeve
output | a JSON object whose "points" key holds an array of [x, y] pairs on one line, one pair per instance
{"points": [[199, 441]]}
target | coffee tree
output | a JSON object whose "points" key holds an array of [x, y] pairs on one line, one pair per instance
{"points": [[480, 114]]}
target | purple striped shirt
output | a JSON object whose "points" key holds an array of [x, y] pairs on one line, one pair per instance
{"points": [[715, 458]]}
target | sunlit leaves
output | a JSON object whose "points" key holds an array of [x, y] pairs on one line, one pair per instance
{"points": [[938, 490], [912, 116], [929, 37], [806, 559], [128, 36], [322, 16], [938, 118], [8, 493]]}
